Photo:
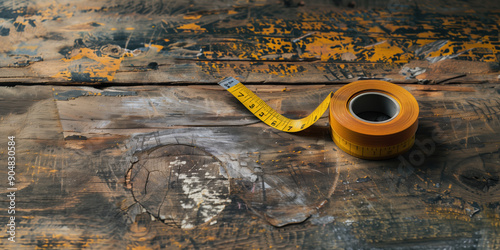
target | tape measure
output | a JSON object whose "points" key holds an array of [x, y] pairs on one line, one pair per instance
{"points": [[369, 119]]}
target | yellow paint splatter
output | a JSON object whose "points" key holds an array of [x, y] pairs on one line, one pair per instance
{"points": [[100, 68], [468, 49], [140, 248], [192, 27], [158, 47], [56, 10], [191, 16]]}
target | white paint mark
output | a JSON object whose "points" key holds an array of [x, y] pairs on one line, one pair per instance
{"points": [[201, 202], [348, 222], [177, 163]]}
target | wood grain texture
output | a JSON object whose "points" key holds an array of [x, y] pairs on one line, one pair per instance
{"points": [[109, 158], [129, 42], [76, 147]]}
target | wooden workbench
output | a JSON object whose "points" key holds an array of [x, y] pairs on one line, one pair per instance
{"points": [[125, 141]]}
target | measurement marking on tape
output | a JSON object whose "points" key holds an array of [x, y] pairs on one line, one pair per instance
{"points": [[267, 114]]}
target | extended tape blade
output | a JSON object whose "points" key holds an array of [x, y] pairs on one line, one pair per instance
{"points": [[267, 114]]}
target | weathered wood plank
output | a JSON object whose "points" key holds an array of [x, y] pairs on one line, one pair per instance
{"points": [[95, 42], [76, 146]]}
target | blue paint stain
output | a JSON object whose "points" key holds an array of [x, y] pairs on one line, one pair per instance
{"points": [[4, 31]]}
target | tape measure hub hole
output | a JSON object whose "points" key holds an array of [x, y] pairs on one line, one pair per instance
{"points": [[374, 107]]}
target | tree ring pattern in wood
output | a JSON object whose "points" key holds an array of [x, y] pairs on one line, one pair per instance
{"points": [[180, 185]]}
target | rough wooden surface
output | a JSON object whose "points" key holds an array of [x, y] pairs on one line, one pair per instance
{"points": [[134, 41], [80, 152], [102, 165]]}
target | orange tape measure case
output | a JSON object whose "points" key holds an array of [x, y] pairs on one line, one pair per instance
{"points": [[370, 139]]}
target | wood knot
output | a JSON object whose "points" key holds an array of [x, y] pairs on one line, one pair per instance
{"points": [[141, 229], [111, 50], [180, 185], [479, 173], [478, 179]]}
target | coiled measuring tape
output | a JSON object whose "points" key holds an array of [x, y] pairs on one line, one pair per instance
{"points": [[369, 119]]}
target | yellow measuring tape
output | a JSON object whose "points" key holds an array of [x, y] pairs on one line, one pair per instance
{"points": [[369, 119]]}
